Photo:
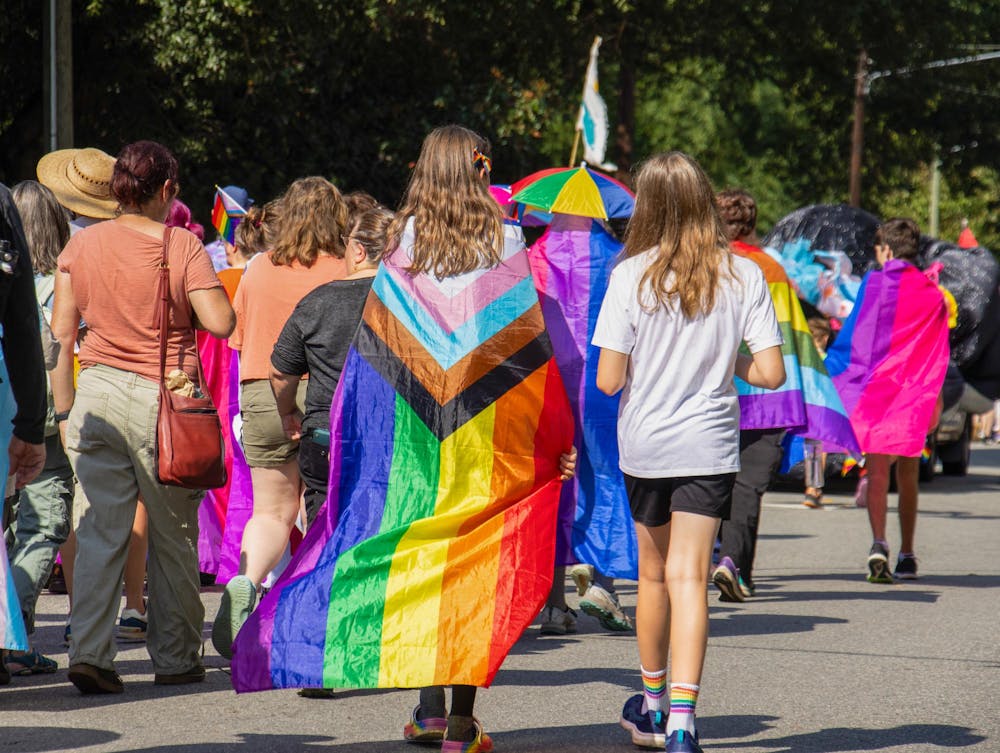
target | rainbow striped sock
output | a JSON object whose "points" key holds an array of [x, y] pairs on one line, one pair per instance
{"points": [[654, 687], [683, 698]]}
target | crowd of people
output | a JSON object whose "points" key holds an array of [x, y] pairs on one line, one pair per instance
{"points": [[691, 298]]}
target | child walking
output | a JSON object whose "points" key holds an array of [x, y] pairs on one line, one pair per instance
{"points": [[677, 308]]}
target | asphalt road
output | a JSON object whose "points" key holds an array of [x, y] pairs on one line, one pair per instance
{"points": [[819, 661]]}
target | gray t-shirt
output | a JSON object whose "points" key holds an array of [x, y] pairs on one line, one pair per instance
{"points": [[316, 339]]}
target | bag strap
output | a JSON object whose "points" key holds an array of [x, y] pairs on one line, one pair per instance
{"points": [[164, 302]]}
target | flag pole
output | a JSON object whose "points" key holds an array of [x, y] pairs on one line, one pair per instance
{"points": [[579, 119]]}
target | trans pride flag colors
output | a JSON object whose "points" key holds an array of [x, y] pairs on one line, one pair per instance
{"points": [[889, 360], [807, 403], [435, 548], [226, 215], [572, 262], [13, 635]]}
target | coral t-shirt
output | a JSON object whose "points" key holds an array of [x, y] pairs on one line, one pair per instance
{"points": [[266, 297], [115, 274]]}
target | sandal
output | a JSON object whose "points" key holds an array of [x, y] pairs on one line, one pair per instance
{"points": [[813, 499], [29, 663]]}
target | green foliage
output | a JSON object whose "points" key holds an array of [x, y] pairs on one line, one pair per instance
{"points": [[261, 93]]}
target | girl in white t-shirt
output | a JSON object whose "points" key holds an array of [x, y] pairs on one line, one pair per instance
{"points": [[677, 309]]}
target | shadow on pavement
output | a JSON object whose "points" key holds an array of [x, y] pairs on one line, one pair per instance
{"points": [[851, 739], [740, 623], [50, 738]]}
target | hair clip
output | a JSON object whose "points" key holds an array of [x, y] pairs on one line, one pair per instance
{"points": [[480, 160]]}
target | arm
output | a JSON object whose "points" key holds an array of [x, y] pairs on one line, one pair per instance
{"points": [[765, 368], [284, 387], [612, 371], [212, 311], [65, 327]]}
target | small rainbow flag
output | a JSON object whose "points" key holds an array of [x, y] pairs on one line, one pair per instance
{"points": [[435, 548], [889, 360], [807, 404], [226, 215]]}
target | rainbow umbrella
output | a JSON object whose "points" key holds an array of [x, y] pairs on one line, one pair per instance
{"points": [[527, 216], [575, 190]]}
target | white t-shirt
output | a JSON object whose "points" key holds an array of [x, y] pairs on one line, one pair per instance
{"points": [[679, 413]]}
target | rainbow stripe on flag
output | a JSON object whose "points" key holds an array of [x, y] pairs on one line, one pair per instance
{"points": [[807, 404], [890, 358], [435, 548], [226, 215], [572, 263]]}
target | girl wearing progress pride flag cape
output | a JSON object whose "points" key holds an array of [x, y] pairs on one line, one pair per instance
{"points": [[888, 364], [676, 311], [435, 548]]}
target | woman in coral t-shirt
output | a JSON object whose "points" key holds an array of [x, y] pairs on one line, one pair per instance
{"points": [[306, 226], [108, 276]]}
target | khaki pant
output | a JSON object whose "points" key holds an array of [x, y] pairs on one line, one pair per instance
{"points": [[110, 439]]}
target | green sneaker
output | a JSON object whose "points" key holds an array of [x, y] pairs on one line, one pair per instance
{"points": [[238, 600], [597, 602], [878, 564]]}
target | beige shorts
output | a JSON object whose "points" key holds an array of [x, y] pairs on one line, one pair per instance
{"points": [[264, 443]]}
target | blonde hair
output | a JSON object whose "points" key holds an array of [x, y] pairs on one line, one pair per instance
{"points": [[250, 233], [675, 214], [458, 226], [305, 222], [46, 224]]}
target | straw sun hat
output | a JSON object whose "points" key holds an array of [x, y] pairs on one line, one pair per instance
{"points": [[81, 180]]}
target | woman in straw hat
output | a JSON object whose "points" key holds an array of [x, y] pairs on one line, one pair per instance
{"points": [[108, 421], [81, 181]]}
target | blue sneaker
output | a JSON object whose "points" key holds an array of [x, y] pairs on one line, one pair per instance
{"points": [[648, 729], [683, 742]]}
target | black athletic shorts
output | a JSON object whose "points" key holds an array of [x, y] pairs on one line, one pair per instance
{"points": [[652, 500]]}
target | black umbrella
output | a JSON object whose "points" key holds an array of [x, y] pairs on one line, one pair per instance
{"points": [[830, 227]]}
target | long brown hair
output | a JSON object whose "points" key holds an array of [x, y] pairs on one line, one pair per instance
{"points": [[458, 226], [46, 224], [308, 220], [675, 213]]}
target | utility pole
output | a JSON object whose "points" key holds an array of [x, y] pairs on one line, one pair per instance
{"points": [[57, 70], [858, 131], [935, 212]]}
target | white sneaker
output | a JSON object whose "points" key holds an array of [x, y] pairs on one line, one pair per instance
{"points": [[558, 621], [582, 575], [597, 602]]}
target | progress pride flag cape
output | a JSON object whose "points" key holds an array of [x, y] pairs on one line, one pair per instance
{"points": [[435, 548], [889, 360]]}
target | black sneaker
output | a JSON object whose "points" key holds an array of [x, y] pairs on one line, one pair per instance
{"points": [[878, 564], [906, 567]]}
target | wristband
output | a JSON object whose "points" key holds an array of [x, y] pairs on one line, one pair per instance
{"points": [[61, 416]]}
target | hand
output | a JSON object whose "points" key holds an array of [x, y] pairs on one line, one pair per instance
{"points": [[291, 423], [567, 464], [26, 461]]}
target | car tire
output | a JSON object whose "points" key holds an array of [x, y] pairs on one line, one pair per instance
{"points": [[963, 449]]}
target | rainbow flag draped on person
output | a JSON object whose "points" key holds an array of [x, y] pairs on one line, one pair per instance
{"points": [[572, 263], [890, 358], [435, 548], [807, 404], [226, 215]]}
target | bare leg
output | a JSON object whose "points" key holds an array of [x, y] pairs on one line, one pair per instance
{"points": [[878, 492], [135, 561], [652, 611], [907, 479], [275, 506], [557, 594], [688, 559]]}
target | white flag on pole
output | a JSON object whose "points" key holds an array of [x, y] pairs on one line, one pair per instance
{"points": [[593, 119]]}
